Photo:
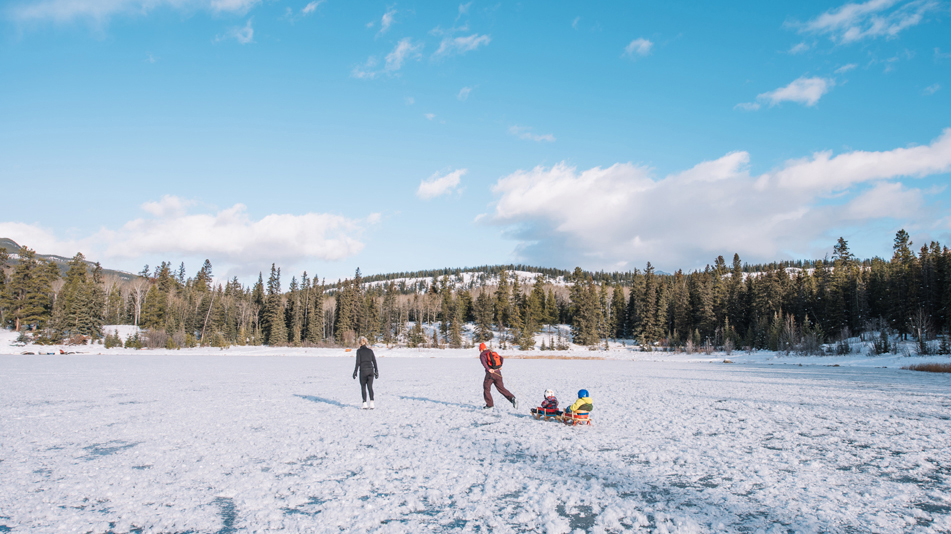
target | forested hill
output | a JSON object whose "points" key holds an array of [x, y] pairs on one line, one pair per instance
{"points": [[622, 278], [13, 248]]}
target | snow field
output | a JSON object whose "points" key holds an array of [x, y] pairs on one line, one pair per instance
{"points": [[202, 443]]}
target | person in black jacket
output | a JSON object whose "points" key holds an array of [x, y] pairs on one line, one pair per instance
{"points": [[366, 367]]}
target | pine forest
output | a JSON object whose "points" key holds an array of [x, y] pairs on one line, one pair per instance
{"points": [[785, 306]]}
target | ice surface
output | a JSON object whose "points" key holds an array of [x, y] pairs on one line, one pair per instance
{"points": [[178, 442]]}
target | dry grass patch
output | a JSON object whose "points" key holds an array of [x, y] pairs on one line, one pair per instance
{"points": [[930, 367], [552, 357]]}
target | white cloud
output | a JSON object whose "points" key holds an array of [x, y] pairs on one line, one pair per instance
{"points": [[845, 68], [622, 213], [436, 185], [523, 132], [229, 236], [463, 10], [638, 47], [887, 199], [464, 93], [43, 240], [238, 6], [823, 172], [367, 70], [875, 18], [232, 235], [410, 101], [311, 7], [931, 89], [799, 48], [429, 116], [806, 91], [387, 20], [747, 106], [243, 35], [404, 50], [101, 10], [461, 45], [168, 206]]}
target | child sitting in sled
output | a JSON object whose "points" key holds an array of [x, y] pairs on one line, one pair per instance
{"points": [[549, 406], [581, 407]]}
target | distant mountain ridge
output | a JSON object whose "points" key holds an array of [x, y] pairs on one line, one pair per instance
{"points": [[13, 249]]}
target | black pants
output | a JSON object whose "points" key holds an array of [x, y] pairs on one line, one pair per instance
{"points": [[366, 382]]}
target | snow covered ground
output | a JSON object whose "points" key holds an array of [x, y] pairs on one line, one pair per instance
{"points": [[228, 441]]}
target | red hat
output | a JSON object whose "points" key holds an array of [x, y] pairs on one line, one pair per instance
{"points": [[481, 346]]}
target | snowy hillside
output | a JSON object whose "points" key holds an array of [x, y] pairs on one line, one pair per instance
{"points": [[467, 279]]}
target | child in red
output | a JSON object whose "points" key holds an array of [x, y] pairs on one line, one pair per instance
{"points": [[549, 406]]}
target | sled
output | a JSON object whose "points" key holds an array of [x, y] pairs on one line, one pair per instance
{"points": [[577, 418], [539, 413]]}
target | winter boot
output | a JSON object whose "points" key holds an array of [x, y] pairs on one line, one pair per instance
{"points": [[364, 405], [515, 403], [487, 407], [371, 405]]}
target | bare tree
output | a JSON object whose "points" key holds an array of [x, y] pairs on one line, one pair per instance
{"points": [[140, 287]]}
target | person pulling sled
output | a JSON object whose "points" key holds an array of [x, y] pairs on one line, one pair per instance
{"points": [[492, 363]]}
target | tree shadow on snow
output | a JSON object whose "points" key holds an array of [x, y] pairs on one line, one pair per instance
{"points": [[312, 398]]}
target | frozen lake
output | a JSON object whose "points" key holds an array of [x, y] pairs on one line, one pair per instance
{"points": [[208, 444]]}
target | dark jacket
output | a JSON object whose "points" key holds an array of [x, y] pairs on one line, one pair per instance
{"points": [[366, 362]]}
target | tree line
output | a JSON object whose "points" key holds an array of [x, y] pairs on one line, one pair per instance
{"points": [[781, 306]]}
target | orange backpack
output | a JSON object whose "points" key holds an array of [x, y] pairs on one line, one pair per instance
{"points": [[494, 360]]}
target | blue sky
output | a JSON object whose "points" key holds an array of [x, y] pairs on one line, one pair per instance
{"points": [[393, 136]]}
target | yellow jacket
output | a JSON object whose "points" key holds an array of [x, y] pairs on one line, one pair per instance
{"points": [[584, 404]]}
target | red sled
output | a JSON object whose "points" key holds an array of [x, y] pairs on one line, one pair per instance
{"points": [[578, 418], [547, 413]]}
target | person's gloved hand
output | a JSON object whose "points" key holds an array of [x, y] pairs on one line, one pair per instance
{"points": [[376, 375], [354, 376]]}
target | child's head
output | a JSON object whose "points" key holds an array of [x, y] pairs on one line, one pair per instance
{"points": [[582, 393], [549, 393]]}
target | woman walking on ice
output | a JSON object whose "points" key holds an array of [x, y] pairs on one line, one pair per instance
{"points": [[366, 367]]}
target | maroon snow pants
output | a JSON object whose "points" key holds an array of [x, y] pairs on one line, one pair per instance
{"points": [[494, 378]]}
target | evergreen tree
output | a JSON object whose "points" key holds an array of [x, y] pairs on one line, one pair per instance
{"points": [[345, 320], [27, 299], [294, 313], [203, 279], [484, 312], [585, 310], [551, 308], [4, 257], [315, 323], [618, 307], [455, 333], [372, 318], [647, 328], [390, 314], [275, 332], [503, 308]]}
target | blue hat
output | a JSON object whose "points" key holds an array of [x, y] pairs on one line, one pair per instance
{"points": [[582, 393]]}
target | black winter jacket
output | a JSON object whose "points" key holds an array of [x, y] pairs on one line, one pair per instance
{"points": [[366, 362]]}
